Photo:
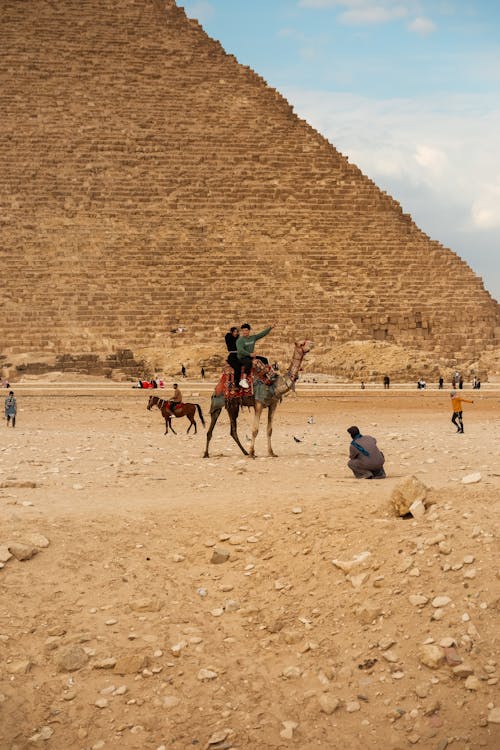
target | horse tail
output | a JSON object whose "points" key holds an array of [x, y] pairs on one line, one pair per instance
{"points": [[201, 415]]}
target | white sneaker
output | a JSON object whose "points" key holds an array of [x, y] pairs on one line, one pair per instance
{"points": [[244, 383]]}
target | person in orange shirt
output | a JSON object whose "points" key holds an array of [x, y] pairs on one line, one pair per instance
{"points": [[456, 405]]}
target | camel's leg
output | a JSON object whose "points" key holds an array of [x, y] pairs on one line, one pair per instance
{"points": [[255, 429], [214, 416], [233, 416], [270, 415]]}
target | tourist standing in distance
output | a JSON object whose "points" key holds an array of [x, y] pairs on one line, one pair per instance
{"points": [[440, 383], [366, 461], [456, 405], [11, 408], [245, 348], [387, 381], [183, 371]]}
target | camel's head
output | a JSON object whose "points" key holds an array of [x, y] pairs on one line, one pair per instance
{"points": [[305, 346]]}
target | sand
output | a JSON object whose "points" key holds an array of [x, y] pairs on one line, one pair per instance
{"points": [[121, 633]]}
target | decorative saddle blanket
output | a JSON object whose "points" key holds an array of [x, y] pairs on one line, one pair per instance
{"points": [[261, 375]]}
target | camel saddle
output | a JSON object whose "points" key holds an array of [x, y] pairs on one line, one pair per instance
{"points": [[261, 375]]}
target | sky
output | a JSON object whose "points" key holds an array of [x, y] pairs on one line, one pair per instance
{"points": [[408, 90]]}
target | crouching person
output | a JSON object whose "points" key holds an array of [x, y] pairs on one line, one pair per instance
{"points": [[366, 461]]}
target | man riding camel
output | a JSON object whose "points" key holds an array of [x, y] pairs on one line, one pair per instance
{"points": [[245, 344]]}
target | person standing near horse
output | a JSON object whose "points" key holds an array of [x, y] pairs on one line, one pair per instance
{"points": [[245, 345], [11, 408], [456, 405]]}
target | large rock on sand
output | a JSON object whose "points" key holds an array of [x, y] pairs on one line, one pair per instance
{"points": [[410, 490]]}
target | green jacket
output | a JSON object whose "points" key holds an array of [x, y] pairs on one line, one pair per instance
{"points": [[245, 344]]}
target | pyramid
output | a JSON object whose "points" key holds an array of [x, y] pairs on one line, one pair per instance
{"points": [[149, 182]]}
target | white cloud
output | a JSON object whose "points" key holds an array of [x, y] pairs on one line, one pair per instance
{"points": [[356, 12], [423, 26], [202, 10], [438, 157], [431, 158], [368, 13], [485, 209]]}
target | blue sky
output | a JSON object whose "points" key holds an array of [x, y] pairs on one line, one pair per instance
{"points": [[409, 90]]}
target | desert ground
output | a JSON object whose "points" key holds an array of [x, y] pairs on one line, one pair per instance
{"points": [[168, 601]]}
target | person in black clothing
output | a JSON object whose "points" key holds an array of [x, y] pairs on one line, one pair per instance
{"points": [[440, 384], [232, 357]]}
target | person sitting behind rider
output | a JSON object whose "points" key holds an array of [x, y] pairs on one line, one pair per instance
{"points": [[245, 344], [176, 399], [231, 338]]}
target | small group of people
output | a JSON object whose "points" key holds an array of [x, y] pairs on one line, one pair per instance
{"points": [[421, 384], [240, 346], [11, 409]]}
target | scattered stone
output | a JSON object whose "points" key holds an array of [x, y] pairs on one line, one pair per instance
{"points": [[44, 734], [472, 683], [390, 656], [385, 643], [359, 580], [328, 703], [102, 703], [352, 707], [418, 600], [417, 509], [108, 663], [22, 551], [440, 601], [368, 612], [219, 556], [410, 490], [5, 555], [462, 670], [289, 728], [71, 658], [297, 509], [422, 690], [19, 666], [131, 663], [146, 605], [219, 736], [472, 478], [494, 715], [177, 647], [347, 565], [38, 540], [291, 672], [204, 675], [444, 548], [431, 656]]}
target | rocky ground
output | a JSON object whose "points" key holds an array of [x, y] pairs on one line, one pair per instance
{"points": [[155, 599]]}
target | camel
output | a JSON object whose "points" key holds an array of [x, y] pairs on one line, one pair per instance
{"points": [[283, 385]]}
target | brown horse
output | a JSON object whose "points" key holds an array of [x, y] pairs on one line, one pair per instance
{"points": [[184, 410]]}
